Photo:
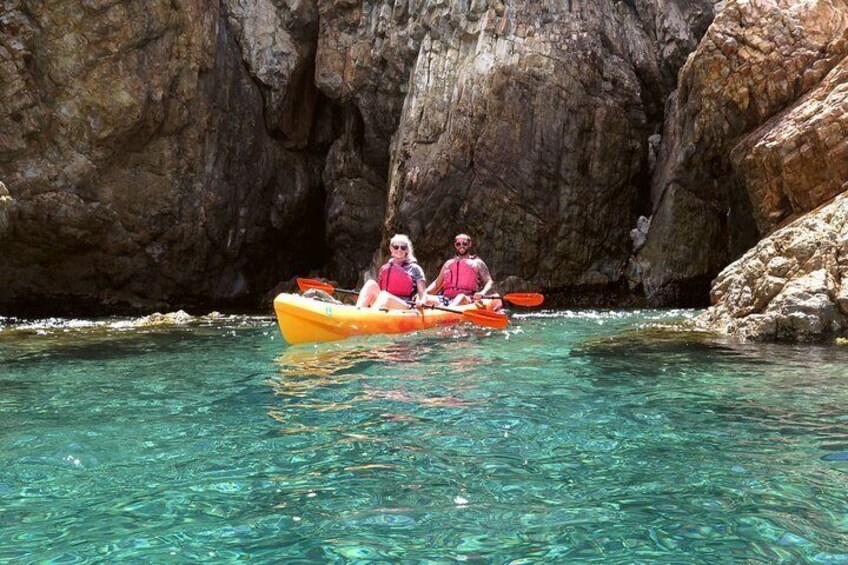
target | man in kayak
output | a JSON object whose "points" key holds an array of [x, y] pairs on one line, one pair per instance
{"points": [[463, 279], [400, 280]]}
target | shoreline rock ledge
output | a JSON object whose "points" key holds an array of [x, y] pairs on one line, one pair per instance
{"points": [[791, 286]]}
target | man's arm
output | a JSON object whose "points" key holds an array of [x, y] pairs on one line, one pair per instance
{"points": [[485, 277]]}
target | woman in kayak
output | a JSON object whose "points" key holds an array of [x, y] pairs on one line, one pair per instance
{"points": [[400, 280]]}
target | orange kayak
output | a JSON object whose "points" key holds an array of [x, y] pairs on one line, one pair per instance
{"points": [[305, 320]]}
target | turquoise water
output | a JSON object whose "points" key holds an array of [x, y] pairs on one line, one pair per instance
{"points": [[572, 437]]}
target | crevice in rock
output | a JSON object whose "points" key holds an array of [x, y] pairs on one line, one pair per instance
{"points": [[630, 4], [306, 251], [642, 182], [742, 229]]}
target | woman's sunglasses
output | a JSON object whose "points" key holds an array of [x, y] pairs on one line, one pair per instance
{"points": [[401, 247]]}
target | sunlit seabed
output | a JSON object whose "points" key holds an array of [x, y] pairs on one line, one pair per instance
{"points": [[570, 437]]}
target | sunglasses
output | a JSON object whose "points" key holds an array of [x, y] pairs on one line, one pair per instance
{"points": [[461, 243], [401, 247]]}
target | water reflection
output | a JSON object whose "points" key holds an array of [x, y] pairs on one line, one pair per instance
{"points": [[390, 380], [304, 367], [334, 359]]}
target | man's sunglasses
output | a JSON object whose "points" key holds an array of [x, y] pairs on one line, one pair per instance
{"points": [[461, 243], [401, 247]]}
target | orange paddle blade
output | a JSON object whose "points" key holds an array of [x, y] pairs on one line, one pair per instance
{"points": [[524, 298], [307, 284], [486, 318]]}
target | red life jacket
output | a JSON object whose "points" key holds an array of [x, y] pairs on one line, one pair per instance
{"points": [[395, 280], [461, 278]]}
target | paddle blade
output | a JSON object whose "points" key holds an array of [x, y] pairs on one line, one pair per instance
{"points": [[486, 318], [307, 284], [524, 298]]}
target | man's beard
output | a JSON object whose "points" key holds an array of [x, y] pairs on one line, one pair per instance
{"points": [[463, 252]]}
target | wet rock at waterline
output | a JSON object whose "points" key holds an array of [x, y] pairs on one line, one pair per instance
{"points": [[793, 285]]}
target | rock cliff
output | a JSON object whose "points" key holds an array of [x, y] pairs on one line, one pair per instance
{"points": [[167, 153], [528, 125], [754, 135], [143, 163], [755, 141]]}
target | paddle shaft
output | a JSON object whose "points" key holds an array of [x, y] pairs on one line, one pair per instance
{"points": [[433, 307], [345, 291]]}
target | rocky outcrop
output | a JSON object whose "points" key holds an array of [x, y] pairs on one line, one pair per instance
{"points": [[278, 41], [793, 285], [753, 137], [800, 158], [527, 125], [144, 163]]}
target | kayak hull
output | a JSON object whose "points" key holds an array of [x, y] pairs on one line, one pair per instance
{"points": [[304, 320]]}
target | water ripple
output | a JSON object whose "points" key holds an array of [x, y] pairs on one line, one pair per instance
{"points": [[575, 437]]}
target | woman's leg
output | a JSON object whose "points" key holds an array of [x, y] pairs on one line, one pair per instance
{"points": [[433, 300], [368, 294], [390, 302], [460, 300]]}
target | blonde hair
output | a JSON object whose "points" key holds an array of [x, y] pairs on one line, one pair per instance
{"points": [[404, 239]]}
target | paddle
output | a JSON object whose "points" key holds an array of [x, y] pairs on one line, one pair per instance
{"points": [[517, 298], [307, 284], [482, 317], [494, 320], [520, 298]]}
